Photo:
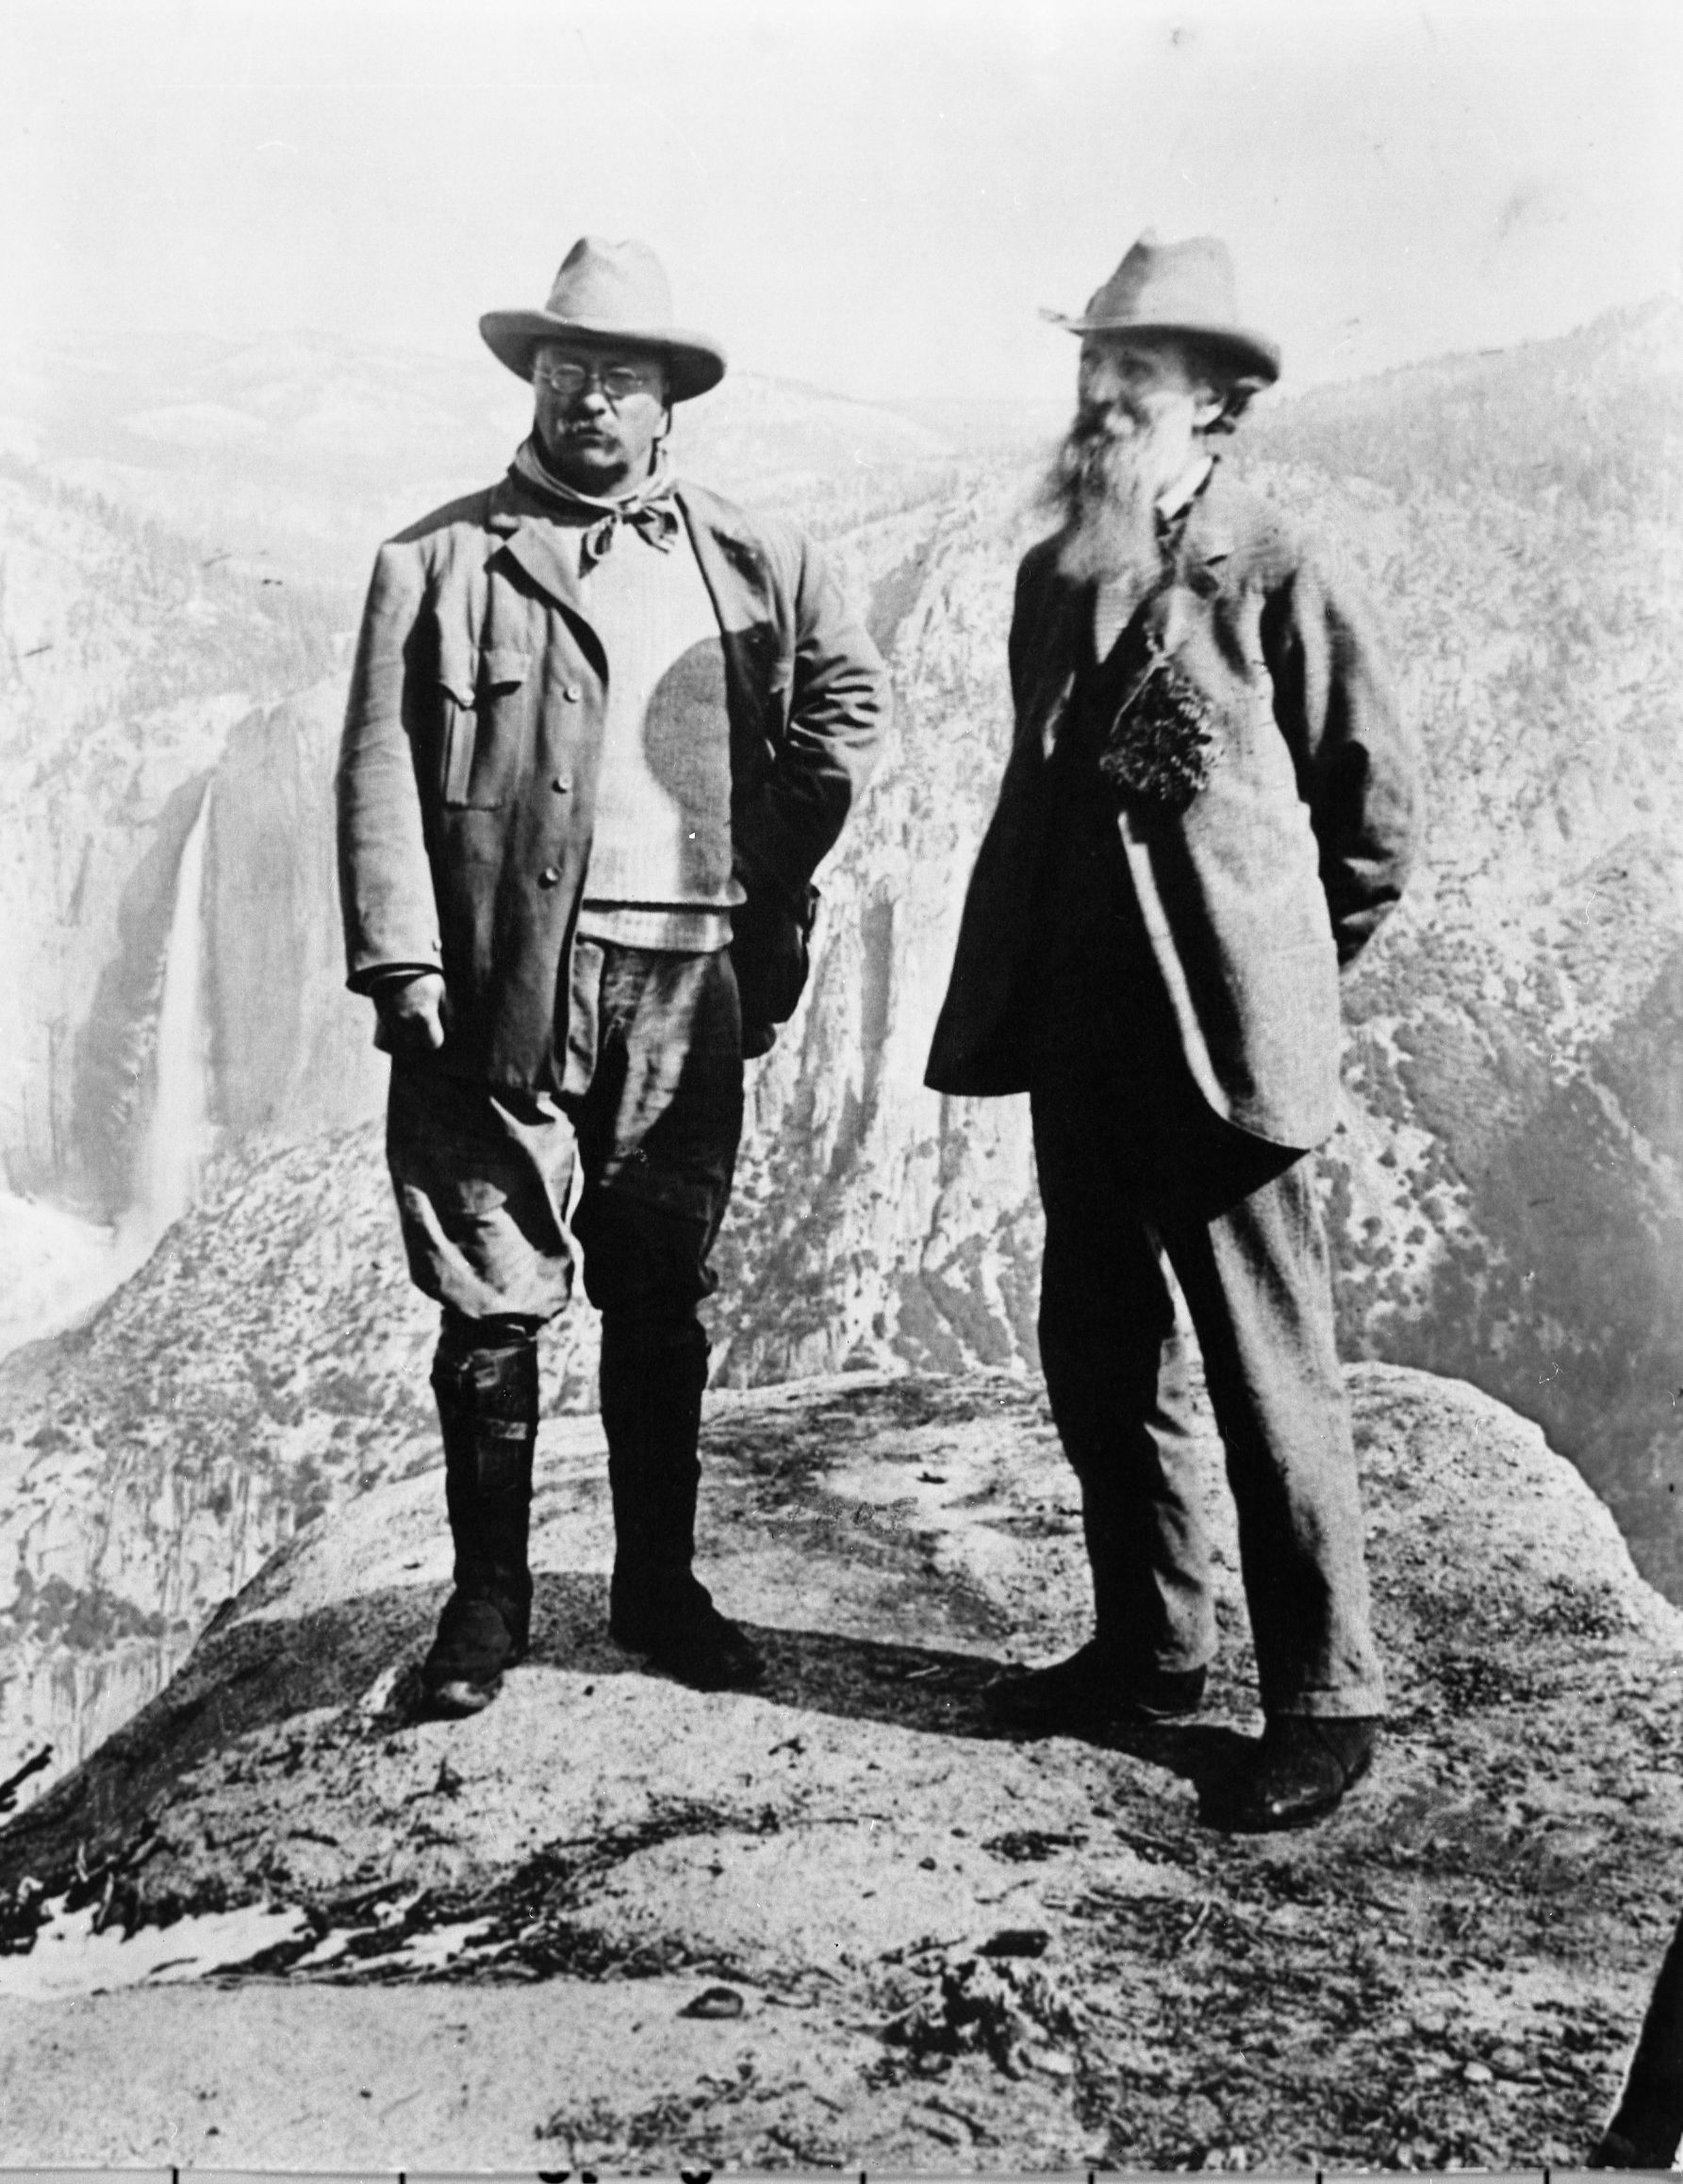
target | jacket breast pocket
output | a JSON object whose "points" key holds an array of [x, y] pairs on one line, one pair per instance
{"points": [[484, 697]]}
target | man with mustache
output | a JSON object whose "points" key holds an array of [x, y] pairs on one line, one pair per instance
{"points": [[1208, 808], [602, 726]]}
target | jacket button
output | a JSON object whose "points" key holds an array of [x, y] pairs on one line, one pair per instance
{"points": [[548, 877], [572, 693], [561, 783]]}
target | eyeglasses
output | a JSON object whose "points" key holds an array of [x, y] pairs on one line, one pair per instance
{"points": [[617, 381]]}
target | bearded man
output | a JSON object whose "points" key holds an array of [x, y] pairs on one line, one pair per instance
{"points": [[602, 726], [1208, 808]]}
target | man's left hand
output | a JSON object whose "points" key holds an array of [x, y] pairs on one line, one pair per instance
{"points": [[770, 953], [411, 1014]]}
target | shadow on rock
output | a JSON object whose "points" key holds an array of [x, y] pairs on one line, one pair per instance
{"points": [[254, 1674]]}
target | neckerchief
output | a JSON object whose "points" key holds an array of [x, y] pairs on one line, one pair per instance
{"points": [[651, 510]]}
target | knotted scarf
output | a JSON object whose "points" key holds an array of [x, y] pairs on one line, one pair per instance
{"points": [[651, 510]]}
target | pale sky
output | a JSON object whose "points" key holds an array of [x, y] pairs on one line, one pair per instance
{"points": [[873, 198]]}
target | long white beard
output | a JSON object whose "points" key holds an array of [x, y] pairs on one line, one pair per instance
{"points": [[1105, 487]]}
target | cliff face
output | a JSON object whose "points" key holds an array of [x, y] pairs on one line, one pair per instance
{"points": [[443, 1945], [124, 659], [290, 1050]]}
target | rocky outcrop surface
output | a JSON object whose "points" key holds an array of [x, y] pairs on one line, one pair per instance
{"points": [[504, 1941]]}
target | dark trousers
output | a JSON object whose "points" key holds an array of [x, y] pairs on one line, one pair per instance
{"points": [[1145, 1188], [649, 1120]]}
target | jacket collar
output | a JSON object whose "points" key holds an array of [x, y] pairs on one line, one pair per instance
{"points": [[525, 527], [726, 546]]}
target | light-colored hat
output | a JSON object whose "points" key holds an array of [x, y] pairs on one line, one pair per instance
{"points": [[1179, 291], [609, 292]]}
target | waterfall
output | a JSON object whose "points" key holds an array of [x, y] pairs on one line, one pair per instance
{"points": [[178, 1134], [72, 1264]]}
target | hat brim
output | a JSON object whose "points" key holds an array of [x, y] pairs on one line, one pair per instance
{"points": [[1250, 354], [693, 363]]}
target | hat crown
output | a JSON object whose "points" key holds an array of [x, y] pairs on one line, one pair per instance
{"points": [[609, 293], [607, 285], [1180, 291], [1157, 284]]}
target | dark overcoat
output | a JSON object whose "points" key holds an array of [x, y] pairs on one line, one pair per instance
{"points": [[1278, 869], [467, 771]]}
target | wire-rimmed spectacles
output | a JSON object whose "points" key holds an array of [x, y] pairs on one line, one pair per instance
{"points": [[566, 377]]}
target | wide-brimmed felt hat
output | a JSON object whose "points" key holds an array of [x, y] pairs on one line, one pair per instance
{"points": [[612, 293], [1182, 291]]}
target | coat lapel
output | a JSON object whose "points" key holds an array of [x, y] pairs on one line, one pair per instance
{"points": [[1178, 607], [529, 539], [755, 629], [733, 567], [1209, 534]]}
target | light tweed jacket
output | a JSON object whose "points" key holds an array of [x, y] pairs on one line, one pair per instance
{"points": [[1279, 869]]}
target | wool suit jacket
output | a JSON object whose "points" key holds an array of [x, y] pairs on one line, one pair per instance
{"points": [[1280, 867], [468, 768]]}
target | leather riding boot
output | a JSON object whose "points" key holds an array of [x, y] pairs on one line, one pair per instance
{"points": [[485, 1381], [653, 1375]]}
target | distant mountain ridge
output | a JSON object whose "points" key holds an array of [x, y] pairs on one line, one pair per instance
{"points": [[1611, 393], [294, 455]]}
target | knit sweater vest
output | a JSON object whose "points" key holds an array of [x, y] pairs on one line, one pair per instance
{"points": [[660, 857]]}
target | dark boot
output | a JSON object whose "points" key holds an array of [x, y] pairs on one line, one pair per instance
{"points": [[1113, 1680], [653, 1375], [1091, 1692], [1298, 1773], [485, 1379]]}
